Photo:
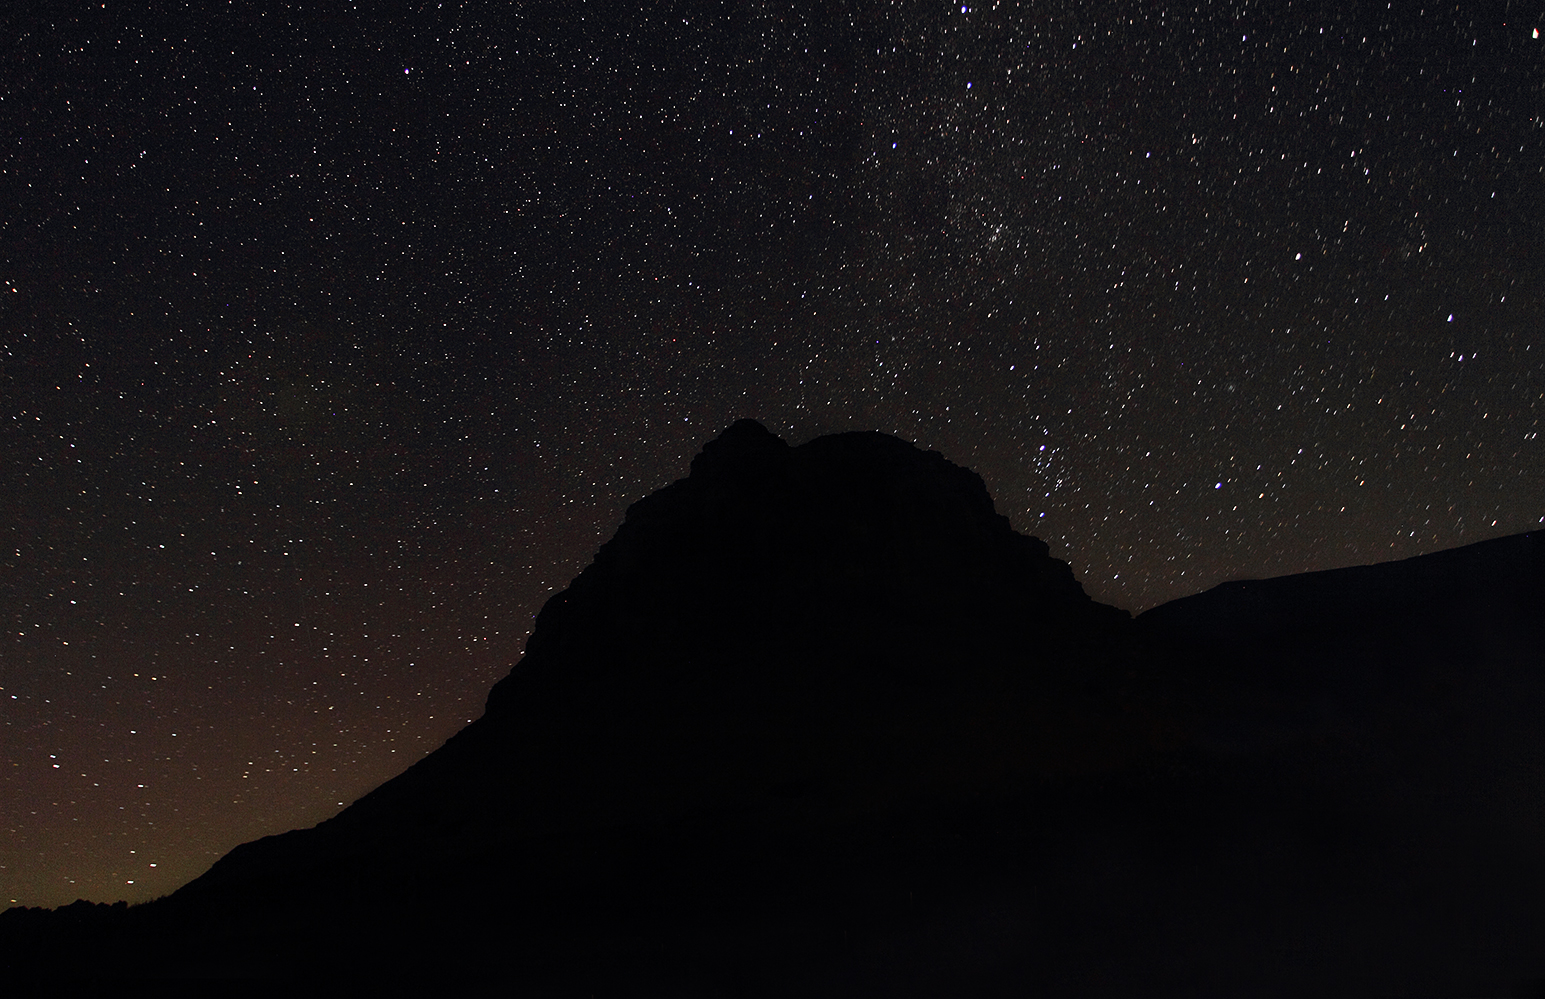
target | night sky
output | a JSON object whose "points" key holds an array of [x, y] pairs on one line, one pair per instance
{"points": [[332, 343]]}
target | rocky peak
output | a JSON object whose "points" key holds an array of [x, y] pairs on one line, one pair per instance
{"points": [[787, 640]]}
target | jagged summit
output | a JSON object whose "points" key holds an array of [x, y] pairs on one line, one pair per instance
{"points": [[784, 540], [745, 447]]}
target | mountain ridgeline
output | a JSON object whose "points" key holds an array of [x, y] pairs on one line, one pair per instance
{"points": [[818, 721]]}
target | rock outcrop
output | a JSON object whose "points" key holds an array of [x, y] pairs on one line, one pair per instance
{"points": [[786, 639]]}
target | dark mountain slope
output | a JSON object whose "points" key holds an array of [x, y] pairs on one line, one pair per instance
{"points": [[1433, 666], [817, 721], [1399, 711]]}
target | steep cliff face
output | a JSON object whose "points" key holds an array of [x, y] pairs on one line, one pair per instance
{"points": [[848, 621]]}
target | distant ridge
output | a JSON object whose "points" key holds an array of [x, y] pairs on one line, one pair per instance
{"points": [[1362, 639], [1507, 573]]}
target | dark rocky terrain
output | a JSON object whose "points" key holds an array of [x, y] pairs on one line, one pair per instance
{"points": [[817, 721]]}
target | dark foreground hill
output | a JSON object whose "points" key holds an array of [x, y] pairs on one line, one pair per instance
{"points": [[817, 721]]}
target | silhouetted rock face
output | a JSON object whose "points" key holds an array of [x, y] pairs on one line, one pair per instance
{"points": [[787, 638], [843, 617]]}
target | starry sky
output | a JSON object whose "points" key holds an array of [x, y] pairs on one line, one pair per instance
{"points": [[334, 339]]}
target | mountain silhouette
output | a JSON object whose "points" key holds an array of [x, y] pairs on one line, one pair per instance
{"points": [[817, 720]]}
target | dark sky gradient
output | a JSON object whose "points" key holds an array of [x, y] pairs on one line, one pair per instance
{"points": [[332, 343]]}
